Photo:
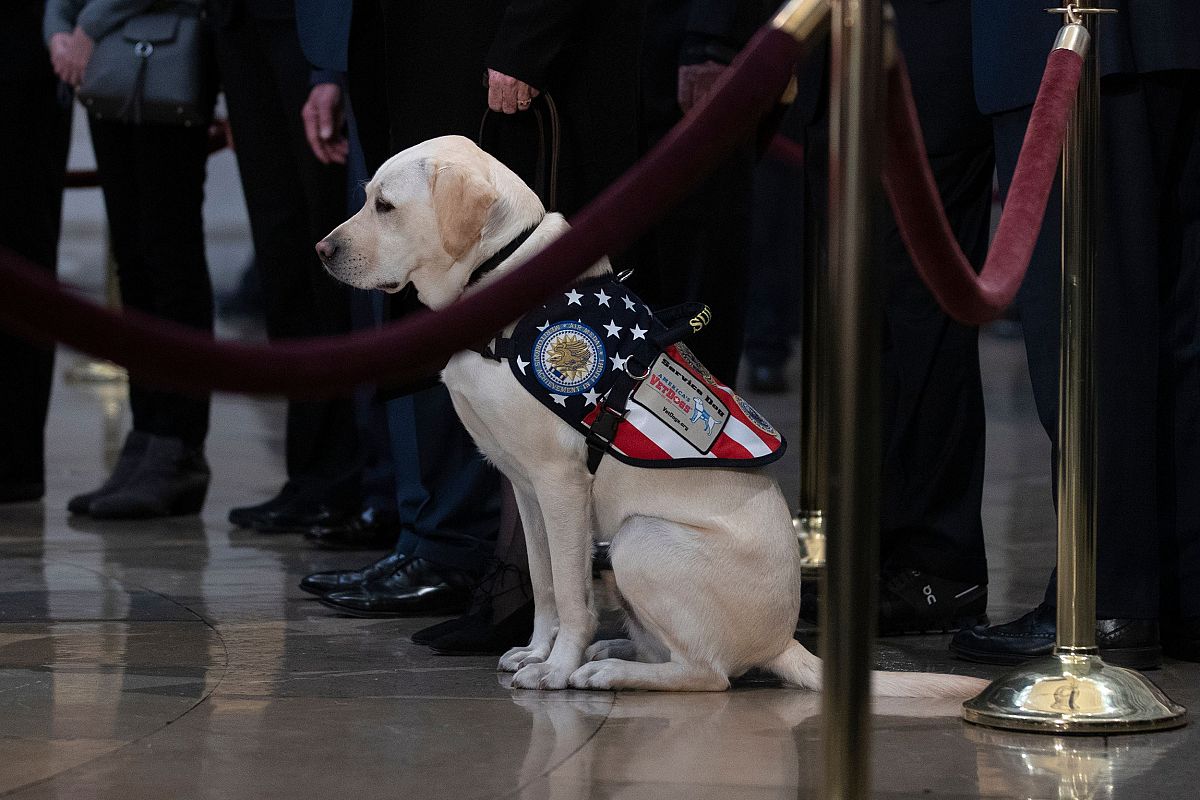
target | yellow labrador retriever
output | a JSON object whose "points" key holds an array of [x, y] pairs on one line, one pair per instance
{"points": [[705, 560]]}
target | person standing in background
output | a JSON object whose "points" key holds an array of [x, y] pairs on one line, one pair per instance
{"points": [[1147, 318], [777, 260], [152, 176], [293, 200], [699, 251], [933, 567], [31, 186]]}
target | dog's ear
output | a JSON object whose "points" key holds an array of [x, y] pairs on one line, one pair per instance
{"points": [[461, 199]]}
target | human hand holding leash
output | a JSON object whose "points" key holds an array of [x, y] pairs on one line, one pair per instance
{"points": [[507, 94], [324, 121]]}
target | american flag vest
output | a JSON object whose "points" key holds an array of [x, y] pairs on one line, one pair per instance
{"points": [[615, 371]]}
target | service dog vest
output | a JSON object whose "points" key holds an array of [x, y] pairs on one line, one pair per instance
{"points": [[615, 371]]}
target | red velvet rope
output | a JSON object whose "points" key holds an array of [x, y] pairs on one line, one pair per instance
{"points": [[166, 354], [967, 297]]}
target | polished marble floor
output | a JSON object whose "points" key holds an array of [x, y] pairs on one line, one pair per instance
{"points": [[177, 659]]}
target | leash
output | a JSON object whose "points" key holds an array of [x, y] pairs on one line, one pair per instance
{"points": [[549, 137]]}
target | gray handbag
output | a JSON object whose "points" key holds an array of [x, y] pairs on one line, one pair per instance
{"points": [[152, 69]]}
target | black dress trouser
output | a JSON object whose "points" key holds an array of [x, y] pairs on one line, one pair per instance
{"points": [[933, 414], [293, 201], [34, 136], [152, 177]]}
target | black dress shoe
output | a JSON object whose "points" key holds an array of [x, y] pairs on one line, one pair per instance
{"points": [[370, 529], [246, 516], [504, 586], [1181, 638], [297, 514], [415, 588], [913, 601], [322, 583], [480, 634], [767, 378], [1131, 643]]}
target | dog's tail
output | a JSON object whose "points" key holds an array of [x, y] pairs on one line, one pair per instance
{"points": [[802, 670]]}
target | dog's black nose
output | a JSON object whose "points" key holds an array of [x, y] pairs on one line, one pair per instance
{"points": [[327, 248]]}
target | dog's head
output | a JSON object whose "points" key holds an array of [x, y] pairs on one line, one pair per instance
{"points": [[433, 213]]}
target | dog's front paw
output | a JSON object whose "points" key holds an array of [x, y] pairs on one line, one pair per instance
{"points": [[599, 674], [542, 676], [518, 657]]}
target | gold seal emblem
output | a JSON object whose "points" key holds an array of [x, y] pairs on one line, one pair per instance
{"points": [[570, 356]]}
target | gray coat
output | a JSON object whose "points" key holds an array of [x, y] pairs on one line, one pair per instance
{"points": [[96, 17]]}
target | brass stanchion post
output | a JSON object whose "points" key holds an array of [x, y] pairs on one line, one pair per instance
{"points": [[852, 400], [810, 518], [1073, 690], [806, 20]]}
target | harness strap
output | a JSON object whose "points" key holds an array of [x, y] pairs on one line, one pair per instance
{"points": [[616, 402], [499, 349], [602, 432]]}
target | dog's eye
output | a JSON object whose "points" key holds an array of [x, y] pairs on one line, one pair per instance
{"points": [[383, 206]]}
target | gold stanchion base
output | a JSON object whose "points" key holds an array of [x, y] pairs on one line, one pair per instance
{"points": [[96, 372], [1076, 694], [810, 530]]}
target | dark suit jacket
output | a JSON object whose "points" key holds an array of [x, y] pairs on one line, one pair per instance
{"points": [[584, 53], [532, 35], [324, 30], [931, 36], [1012, 39]]}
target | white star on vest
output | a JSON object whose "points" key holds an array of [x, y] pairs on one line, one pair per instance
{"points": [[561, 399], [613, 328], [573, 298], [629, 304], [542, 328], [592, 397], [618, 362], [602, 298], [638, 332], [522, 363]]}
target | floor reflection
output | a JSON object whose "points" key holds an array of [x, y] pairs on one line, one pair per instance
{"points": [[664, 744], [1066, 767], [178, 658]]}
